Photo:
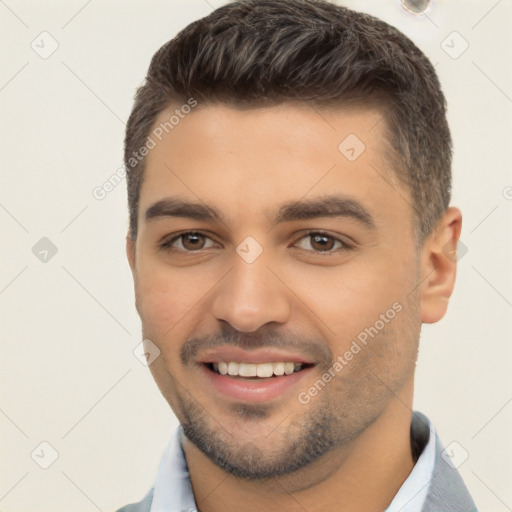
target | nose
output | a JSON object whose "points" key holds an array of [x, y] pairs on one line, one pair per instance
{"points": [[250, 296]]}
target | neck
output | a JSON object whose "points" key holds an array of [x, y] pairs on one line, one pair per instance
{"points": [[366, 475]]}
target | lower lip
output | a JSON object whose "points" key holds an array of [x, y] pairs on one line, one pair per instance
{"points": [[253, 390]]}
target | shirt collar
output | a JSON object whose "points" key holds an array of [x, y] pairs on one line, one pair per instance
{"points": [[414, 490], [173, 490]]}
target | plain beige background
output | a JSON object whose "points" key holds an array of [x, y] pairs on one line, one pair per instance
{"points": [[68, 325]]}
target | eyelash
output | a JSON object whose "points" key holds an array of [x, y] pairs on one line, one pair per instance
{"points": [[167, 245]]}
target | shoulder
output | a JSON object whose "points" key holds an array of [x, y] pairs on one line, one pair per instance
{"points": [[142, 506], [447, 490]]}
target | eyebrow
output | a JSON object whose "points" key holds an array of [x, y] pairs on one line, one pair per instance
{"points": [[325, 206]]}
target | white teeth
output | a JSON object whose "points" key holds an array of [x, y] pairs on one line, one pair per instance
{"points": [[278, 368], [233, 368], [262, 370], [247, 370], [288, 368]]}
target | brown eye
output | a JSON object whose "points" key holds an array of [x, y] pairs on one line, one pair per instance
{"points": [[189, 242], [321, 243], [192, 241]]}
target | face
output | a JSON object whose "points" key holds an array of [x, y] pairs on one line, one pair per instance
{"points": [[268, 251]]}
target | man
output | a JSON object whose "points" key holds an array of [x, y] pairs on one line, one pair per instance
{"points": [[290, 230]]}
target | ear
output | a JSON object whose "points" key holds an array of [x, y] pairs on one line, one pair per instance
{"points": [[130, 253], [439, 266]]}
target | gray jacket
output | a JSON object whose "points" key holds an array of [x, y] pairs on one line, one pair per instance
{"points": [[447, 491]]}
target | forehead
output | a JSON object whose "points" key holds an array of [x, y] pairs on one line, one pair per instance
{"points": [[249, 161]]}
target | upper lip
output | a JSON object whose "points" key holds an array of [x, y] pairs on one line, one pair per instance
{"points": [[228, 354]]}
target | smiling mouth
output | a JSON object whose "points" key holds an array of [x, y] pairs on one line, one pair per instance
{"points": [[256, 371]]}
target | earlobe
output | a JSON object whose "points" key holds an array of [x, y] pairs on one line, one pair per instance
{"points": [[439, 266]]}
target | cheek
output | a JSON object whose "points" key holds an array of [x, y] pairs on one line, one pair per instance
{"points": [[351, 298], [164, 297]]}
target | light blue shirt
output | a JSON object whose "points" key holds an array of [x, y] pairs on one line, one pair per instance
{"points": [[173, 490], [414, 490]]}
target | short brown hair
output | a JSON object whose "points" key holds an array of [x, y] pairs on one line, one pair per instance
{"points": [[252, 52]]}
